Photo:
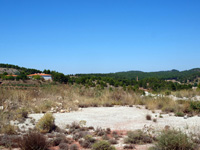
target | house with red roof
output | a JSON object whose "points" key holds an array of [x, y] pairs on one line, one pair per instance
{"points": [[45, 76]]}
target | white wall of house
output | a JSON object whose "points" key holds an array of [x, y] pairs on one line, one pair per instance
{"points": [[47, 77]]}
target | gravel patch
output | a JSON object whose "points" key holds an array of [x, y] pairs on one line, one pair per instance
{"points": [[123, 118]]}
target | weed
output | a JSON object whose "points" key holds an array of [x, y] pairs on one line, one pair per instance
{"points": [[33, 141], [154, 120], [113, 141], [108, 130], [179, 114], [99, 131], [73, 147], [8, 129], [172, 139], [63, 146], [137, 137], [102, 145], [46, 123]]}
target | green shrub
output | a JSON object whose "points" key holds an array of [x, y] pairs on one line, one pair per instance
{"points": [[179, 114], [102, 145], [137, 137], [174, 140], [167, 92], [46, 123], [37, 77], [195, 105]]}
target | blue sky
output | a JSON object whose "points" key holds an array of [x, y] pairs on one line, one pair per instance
{"points": [[100, 36]]}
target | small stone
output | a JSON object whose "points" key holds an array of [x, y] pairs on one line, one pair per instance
{"points": [[62, 111], [1, 107]]}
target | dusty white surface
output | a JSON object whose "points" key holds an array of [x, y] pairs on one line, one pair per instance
{"points": [[123, 118]]}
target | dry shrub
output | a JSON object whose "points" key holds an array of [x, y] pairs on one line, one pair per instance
{"points": [[102, 145], [60, 138], [148, 117], [99, 131], [46, 123], [186, 93], [33, 141], [8, 129], [63, 146], [73, 147], [113, 141], [9, 141], [172, 139], [137, 137]]}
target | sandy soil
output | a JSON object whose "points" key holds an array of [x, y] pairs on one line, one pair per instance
{"points": [[124, 118]]}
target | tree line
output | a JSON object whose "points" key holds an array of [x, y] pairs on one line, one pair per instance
{"points": [[127, 80]]}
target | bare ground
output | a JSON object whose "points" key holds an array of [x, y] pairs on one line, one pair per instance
{"points": [[124, 118]]}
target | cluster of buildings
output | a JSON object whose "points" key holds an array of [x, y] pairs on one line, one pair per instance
{"points": [[44, 76]]}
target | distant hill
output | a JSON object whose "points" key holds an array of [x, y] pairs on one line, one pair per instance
{"points": [[14, 69], [182, 76]]}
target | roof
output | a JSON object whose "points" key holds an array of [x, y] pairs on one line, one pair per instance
{"points": [[12, 75], [40, 74]]}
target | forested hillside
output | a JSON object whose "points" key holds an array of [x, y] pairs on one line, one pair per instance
{"points": [[155, 81], [181, 76]]}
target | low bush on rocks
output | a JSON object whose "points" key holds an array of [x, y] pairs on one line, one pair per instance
{"points": [[73, 147], [33, 141], [131, 146], [102, 145], [115, 135], [105, 137], [8, 129], [61, 138], [46, 123], [113, 141], [63, 146], [179, 114], [90, 138], [137, 137], [174, 140], [9, 141], [99, 131]]}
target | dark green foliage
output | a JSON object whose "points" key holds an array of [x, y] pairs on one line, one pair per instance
{"points": [[195, 105], [127, 80], [59, 77], [21, 69]]}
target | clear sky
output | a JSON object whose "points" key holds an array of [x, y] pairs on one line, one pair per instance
{"points": [[100, 36]]}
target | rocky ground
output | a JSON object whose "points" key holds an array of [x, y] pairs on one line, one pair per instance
{"points": [[124, 118], [119, 119]]}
